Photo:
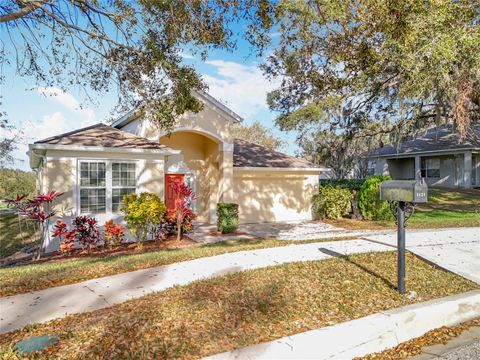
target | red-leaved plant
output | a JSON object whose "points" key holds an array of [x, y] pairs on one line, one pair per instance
{"points": [[39, 211], [114, 234], [67, 238], [86, 232], [182, 212]]}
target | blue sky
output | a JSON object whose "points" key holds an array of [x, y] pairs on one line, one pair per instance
{"points": [[233, 77]]}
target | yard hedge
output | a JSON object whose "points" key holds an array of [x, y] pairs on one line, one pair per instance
{"points": [[369, 203], [331, 202], [227, 217], [352, 184]]}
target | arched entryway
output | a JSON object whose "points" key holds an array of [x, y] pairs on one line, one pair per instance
{"points": [[200, 163]]}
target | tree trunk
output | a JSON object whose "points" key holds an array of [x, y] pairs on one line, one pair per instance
{"points": [[179, 226]]}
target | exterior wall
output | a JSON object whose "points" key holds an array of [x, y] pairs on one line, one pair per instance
{"points": [[381, 166], [452, 170], [60, 174], [268, 196]]}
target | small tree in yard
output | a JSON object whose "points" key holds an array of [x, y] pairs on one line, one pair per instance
{"points": [[184, 197], [39, 210]]}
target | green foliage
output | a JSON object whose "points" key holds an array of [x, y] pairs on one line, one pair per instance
{"points": [[227, 217], [15, 182], [412, 62], [259, 134], [331, 202], [143, 213], [351, 184], [371, 207]]}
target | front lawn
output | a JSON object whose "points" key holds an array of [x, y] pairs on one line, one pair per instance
{"points": [[12, 237], [25, 278], [233, 311], [445, 208]]}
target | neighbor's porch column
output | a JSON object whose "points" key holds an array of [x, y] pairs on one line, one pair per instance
{"points": [[467, 169], [418, 171], [226, 172]]}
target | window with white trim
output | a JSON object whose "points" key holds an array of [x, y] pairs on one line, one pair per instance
{"points": [[104, 183], [123, 182], [93, 187]]}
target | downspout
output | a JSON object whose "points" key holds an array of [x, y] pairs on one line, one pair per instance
{"points": [[38, 169]]}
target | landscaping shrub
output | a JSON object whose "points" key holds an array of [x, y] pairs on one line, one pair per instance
{"points": [[66, 237], [39, 210], [114, 234], [331, 202], [227, 217], [352, 184], [371, 207], [143, 214], [182, 214], [86, 232]]}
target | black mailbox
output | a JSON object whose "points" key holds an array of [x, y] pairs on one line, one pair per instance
{"points": [[404, 190]]}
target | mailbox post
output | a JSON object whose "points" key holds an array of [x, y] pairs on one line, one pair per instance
{"points": [[403, 194]]}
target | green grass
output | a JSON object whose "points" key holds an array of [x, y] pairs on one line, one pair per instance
{"points": [[444, 218], [233, 311], [21, 279], [11, 238]]}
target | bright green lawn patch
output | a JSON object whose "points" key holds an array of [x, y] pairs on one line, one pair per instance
{"points": [[21, 279], [444, 218], [237, 310], [11, 238]]}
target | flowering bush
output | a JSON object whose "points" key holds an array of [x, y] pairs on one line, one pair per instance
{"points": [[86, 231], [114, 233], [38, 210], [67, 238]]}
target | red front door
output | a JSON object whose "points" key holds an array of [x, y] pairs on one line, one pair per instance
{"points": [[169, 194]]}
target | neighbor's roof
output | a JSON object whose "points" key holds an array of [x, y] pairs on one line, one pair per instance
{"points": [[441, 139], [247, 154], [102, 135]]}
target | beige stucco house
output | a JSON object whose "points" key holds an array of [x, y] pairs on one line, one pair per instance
{"points": [[97, 165]]}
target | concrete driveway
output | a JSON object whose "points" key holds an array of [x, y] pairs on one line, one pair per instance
{"points": [[457, 250]]}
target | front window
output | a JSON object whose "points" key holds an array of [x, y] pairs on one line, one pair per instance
{"points": [[123, 182], [103, 185], [430, 168], [92, 187]]}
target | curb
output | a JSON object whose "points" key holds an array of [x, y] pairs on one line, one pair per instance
{"points": [[366, 335]]}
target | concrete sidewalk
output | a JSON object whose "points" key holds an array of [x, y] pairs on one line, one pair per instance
{"points": [[373, 333], [39, 306], [457, 250]]}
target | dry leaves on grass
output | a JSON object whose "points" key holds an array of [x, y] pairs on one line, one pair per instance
{"points": [[22, 279], [414, 347], [237, 310]]}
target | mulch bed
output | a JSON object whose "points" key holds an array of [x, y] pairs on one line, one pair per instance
{"points": [[171, 243]]}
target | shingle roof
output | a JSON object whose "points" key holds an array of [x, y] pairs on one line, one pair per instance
{"points": [[102, 135], [247, 154], [433, 139]]}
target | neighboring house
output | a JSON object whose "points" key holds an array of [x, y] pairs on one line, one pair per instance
{"points": [[97, 165], [438, 155]]}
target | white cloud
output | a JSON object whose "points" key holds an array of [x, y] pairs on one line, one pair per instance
{"points": [[66, 100], [241, 87], [49, 125]]}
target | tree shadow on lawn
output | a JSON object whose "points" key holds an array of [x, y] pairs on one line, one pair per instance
{"points": [[348, 258]]}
